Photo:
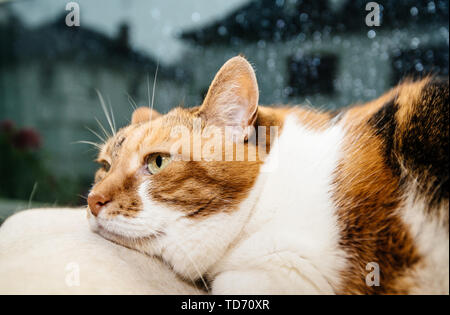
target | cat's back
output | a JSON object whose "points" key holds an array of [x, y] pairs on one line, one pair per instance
{"points": [[359, 191], [391, 190], [353, 202]]}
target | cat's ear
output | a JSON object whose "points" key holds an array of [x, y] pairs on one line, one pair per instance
{"points": [[232, 98], [143, 114]]}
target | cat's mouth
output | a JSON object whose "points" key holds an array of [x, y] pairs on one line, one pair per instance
{"points": [[109, 231], [123, 238]]}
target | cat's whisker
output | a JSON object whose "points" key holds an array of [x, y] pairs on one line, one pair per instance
{"points": [[153, 92], [33, 192], [131, 101], [98, 146], [106, 134], [105, 111], [96, 134], [83, 197], [194, 265], [194, 283], [112, 114]]}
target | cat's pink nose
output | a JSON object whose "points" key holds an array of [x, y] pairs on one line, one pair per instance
{"points": [[96, 202]]}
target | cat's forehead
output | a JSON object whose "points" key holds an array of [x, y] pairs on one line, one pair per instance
{"points": [[147, 133], [112, 146]]}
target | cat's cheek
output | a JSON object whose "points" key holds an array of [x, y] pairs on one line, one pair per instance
{"points": [[156, 215]]}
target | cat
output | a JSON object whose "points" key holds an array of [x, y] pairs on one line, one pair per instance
{"points": [[353, 201]]}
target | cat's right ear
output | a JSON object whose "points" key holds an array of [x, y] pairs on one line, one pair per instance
{"points": [[143, 114], [232, 98]]}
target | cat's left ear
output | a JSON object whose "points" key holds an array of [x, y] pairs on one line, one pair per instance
{"points": [[143, 114], [232, 98]]}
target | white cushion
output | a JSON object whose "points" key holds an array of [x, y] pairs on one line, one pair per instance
{"points": [[52, 251]]}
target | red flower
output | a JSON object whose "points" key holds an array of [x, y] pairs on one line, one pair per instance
{"points": [[7, 126], [27, 138]]}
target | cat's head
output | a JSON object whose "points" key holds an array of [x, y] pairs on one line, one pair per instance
{"points": [[160, 200]]}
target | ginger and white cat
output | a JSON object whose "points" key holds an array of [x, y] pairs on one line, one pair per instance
{"points": [[348, 202]]}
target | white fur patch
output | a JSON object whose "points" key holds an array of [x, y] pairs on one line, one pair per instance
{"points": [[145, 224], [293, 235], [190, 246], [431, 275]]}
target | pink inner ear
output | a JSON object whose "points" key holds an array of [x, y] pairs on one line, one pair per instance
{"points": [[143, 114], [232, 99]]}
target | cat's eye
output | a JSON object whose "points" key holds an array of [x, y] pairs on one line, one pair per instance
{"points": [[156, 162], [105, 166]]}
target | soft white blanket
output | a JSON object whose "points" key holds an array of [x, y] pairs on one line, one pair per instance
{"points": [[52, 251]]}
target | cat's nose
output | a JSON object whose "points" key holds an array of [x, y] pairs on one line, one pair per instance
{"points": [[96, 202]]}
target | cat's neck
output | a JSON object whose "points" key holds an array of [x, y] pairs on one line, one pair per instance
{"points": [[300, 203]]}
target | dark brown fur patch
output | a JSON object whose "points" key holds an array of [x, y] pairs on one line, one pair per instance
{"points": [[415, 132], [422, 141], [401, 136]]}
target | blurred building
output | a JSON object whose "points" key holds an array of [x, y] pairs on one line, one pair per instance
{"points": [[317, 52], [49, 77], [322, 52]]}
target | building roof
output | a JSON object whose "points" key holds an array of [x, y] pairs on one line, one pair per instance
{"points": [[56, 41], [284, 19]]}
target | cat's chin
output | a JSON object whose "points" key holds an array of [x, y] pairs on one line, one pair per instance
{"points": [[139, 243], [129, 241]]}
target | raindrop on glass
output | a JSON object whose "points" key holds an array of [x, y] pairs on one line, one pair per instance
{"points": [[419, 67], [222, 30], [414, 11]]}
